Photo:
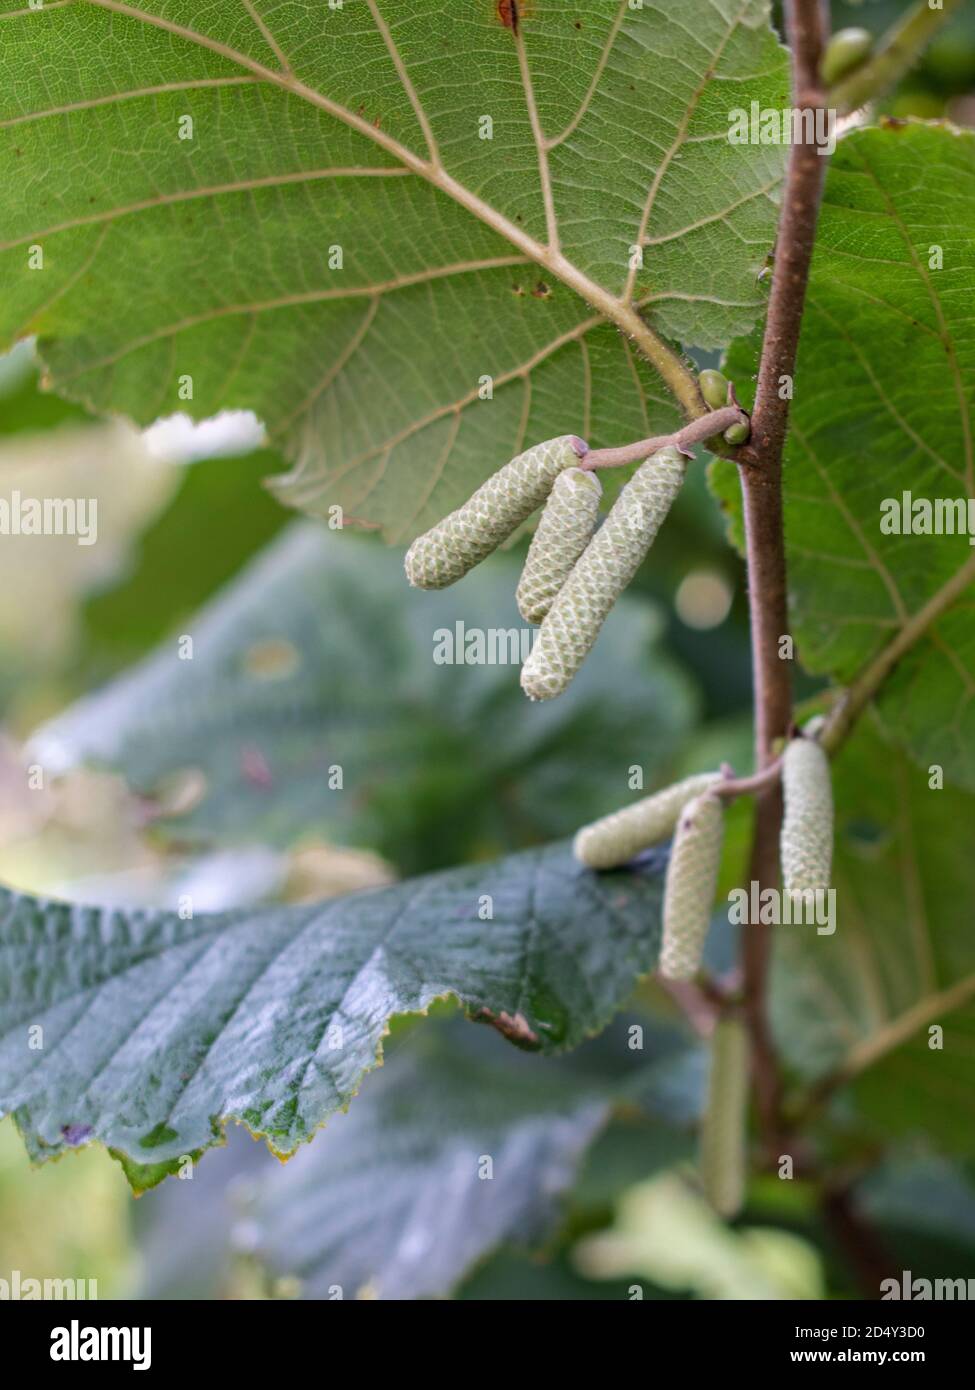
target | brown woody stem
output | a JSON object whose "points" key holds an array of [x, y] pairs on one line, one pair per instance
{"points": [[762, 496]]}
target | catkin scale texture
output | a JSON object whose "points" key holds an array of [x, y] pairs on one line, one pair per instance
{"points": [[806, 842], [600, 575], [616, 838], [467, 536], [692, 880], [724, 1128], [563, 532]]}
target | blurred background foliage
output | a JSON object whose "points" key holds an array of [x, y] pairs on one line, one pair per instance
{"points": [[448, 765]]}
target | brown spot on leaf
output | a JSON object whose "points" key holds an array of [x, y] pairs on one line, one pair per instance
{"points": [[541, 290]]}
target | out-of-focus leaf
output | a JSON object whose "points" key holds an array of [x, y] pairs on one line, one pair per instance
{"points": [[448, 1154], [100, 488], [320, 657], [670, 1234], [458, 1145], [219, 517], [23, 407]]}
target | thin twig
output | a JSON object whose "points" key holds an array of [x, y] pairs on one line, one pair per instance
{"points": [[765, 540], [708, 426], [697, 1003], [733, 787], [896, 53]]}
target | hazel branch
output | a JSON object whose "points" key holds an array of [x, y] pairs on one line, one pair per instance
{"points": [[708, 426]]}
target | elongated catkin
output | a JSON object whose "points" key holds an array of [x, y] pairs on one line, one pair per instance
{"points": [[562, 534], [724, 1129], [600, 575], [806, 842], [467, 536], [616, 838], [692, 880]]}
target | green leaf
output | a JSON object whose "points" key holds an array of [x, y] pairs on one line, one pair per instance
{"points": [[319, 655], [157, 1030], [884, 396], [403, 1166], [23, 408], [212, 252], [859, 1003], [184, 556], [451, 1151]]}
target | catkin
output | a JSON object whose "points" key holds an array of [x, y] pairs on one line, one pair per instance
{"points": [[806, 842], [724, 1127], [618, 837], [563, 532], [600, 575], [692, 879], [467, 536]]}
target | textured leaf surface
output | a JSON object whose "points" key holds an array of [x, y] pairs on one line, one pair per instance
{"points": [[320, 655], [903, 954], [393, 1197], [885, 405], [360, 128], [157, 1029], [451, 1152]]}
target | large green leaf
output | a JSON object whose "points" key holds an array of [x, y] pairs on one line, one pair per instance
{"points": [[320, 655], [361, 127], [394, 1197], [859, 1003], [156, 1029], [447, 1155], [885, 405]]}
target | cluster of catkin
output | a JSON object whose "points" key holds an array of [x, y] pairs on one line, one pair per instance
{"points": [[692, 812], [575, 570]]}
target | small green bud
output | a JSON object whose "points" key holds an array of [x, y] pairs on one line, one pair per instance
{"points": [[736, 434], [846, 50], [714, 388], [562, 534], [692, 881], [724, 1131], [498, 507], [806, 842], [600, 575], [616, 838]]}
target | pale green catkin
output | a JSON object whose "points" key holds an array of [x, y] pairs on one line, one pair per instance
{"points": [[467, 536], [692, 881], [806, 842], [600, 575], [563, 532], [724, 1129], [618, 837]]}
